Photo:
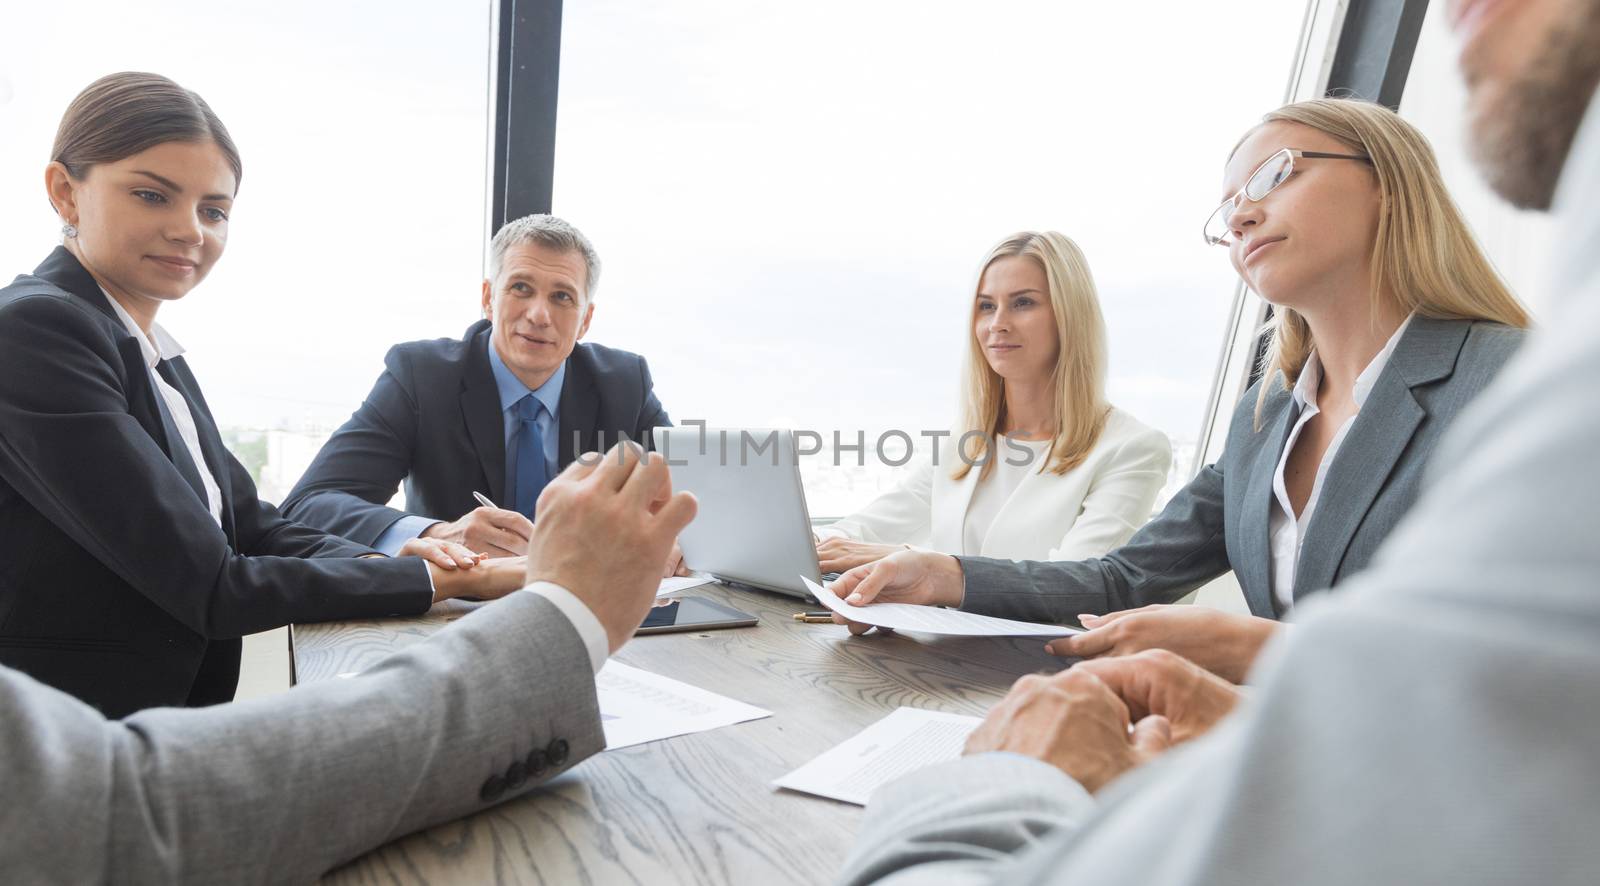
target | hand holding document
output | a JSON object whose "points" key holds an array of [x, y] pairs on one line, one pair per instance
{"points": [[638, 706], [906, 740], [934, 620], [673, 584]]}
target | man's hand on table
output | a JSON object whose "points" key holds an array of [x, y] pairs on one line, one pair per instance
{"points": [[1161, 683], [1079, 720], [1074, 722]]}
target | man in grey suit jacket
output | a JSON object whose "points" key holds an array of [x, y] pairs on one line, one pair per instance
{"points": [[1433, 723], [284, 788]]}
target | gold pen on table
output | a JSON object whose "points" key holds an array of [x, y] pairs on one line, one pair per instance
{"points": [[484, 500], [814, 618]]}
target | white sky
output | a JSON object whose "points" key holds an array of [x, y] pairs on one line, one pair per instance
{"points": [[790, 199]]}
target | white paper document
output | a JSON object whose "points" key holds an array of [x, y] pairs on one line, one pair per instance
{"points": [[675, 583], [638, 706], [934, 620], [906, 740]]}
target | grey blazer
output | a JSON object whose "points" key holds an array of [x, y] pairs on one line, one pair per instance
{"points": [[283, 788], [1219, 521]]}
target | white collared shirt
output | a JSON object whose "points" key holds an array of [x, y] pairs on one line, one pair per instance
{"points": [[157, 346], [1283, 528]]}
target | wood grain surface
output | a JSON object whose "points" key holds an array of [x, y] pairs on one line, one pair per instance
{"points": [[698, 808]]}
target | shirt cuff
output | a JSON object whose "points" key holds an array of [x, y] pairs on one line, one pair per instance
{"points": [[401, 531], [582, 617]]}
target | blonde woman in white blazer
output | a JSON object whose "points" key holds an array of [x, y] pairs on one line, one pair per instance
{"points": [[1040, 467]]}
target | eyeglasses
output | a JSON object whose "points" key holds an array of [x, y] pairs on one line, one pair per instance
{"points": [[1267, 177]]}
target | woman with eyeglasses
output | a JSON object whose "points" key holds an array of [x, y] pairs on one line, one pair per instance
{"points": [[1041, 465], [1387, 321], [134, 552]]}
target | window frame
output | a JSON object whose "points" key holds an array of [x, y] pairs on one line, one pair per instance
{"points": [[1347, 47], [525, 81]]}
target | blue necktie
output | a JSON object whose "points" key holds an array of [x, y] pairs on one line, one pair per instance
{"points": [[528, 470]]}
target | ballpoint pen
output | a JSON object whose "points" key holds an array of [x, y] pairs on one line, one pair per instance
{"points": [[484, 500]]}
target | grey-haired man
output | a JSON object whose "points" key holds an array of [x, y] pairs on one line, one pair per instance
{"points": [[497, 412]]}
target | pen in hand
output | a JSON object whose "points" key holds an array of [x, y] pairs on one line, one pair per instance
{"points": [[484, 500]]}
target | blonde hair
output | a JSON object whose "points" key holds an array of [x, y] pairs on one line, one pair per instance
{"points": [[1424, 258], [1079, 382]]}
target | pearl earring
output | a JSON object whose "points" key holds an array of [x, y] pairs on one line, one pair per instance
{"points": [[69, 231]]}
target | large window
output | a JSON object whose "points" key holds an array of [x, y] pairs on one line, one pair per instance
{"points": [[792, 200], [360, 219]]}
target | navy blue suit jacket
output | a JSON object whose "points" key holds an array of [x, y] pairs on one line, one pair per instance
{"points": [[116, 585], [433, 420]]}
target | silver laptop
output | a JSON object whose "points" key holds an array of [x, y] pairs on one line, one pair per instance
{"points": [[752, 527]]}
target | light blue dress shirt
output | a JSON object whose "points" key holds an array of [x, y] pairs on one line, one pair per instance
{"points": [[512, 390]]}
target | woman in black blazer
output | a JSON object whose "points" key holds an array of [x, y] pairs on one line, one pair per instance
{"points": [[134, 552]]}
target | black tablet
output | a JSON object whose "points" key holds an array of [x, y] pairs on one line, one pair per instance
{"points": [[692, 614]]}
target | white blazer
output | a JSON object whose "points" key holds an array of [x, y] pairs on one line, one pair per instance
{"points": [[1073, 516]]}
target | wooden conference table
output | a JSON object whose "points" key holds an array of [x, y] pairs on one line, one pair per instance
{"points": [[698, 808]]}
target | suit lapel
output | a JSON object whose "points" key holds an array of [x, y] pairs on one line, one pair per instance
{"points": [[580, 411], [480, 410], [1373, 446], [142, 402], [1255, 523], [176, 372]]}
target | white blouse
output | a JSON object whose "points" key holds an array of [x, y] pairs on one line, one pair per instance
{"points": [[157, 346], [1287, 531], [1022, 514], [1015, 460]]}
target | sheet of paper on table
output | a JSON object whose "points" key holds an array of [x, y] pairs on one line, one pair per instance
{"points": [[675, 583], [904, 741], [638, 706], [934, 620]]}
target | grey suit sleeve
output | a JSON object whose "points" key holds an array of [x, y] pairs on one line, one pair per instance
{"points": [[1180, 550], [952, 819], [286, 787]]}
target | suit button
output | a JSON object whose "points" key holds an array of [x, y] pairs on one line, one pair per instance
{"points": [[492, 789], [558, 752], [516, 776], [537, 763]]}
